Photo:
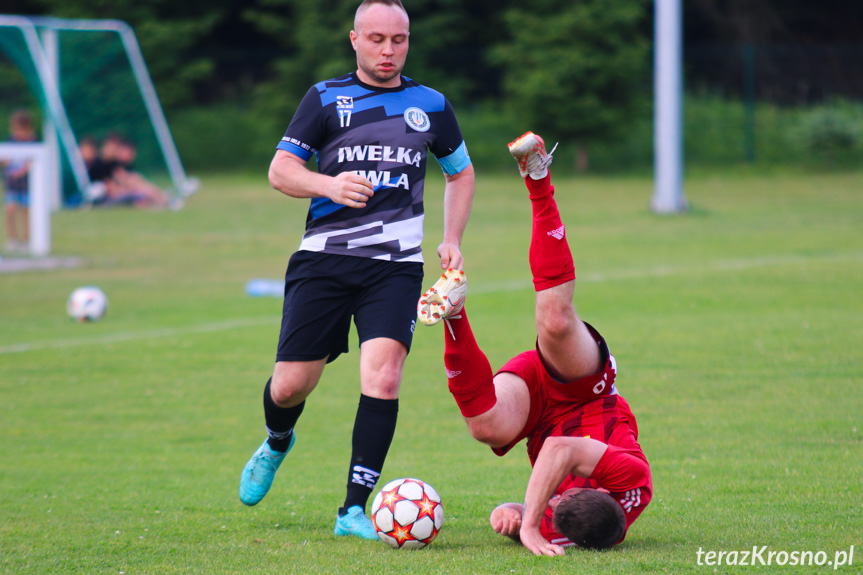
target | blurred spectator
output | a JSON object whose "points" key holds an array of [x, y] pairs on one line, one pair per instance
{"points": [[89, 151], [16, 182], [114, 181], [89, 148], [100, 165]]}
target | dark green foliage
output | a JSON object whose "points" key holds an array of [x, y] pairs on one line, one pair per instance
{"points": [[831, 135], [169, 34], [231, 73], [313, 45], [577, 71]]}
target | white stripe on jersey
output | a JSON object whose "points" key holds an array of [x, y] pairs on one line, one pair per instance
{"points": [[562, 541], [408, 233], [631, 499]]}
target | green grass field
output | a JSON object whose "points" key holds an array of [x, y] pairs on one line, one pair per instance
{"points": [[737, 330]]}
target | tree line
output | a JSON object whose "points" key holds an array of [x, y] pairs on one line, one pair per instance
{"points": [[579, 70]]}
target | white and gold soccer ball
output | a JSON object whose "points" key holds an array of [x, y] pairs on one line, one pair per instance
{"points": [[407, 513], [87, 303]]}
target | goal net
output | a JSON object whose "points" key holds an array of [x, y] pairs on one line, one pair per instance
{"points": [[86, 79]]}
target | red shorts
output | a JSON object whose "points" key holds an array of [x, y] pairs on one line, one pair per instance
{"points": [[550, 399]]}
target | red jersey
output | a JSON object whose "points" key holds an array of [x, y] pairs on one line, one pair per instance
{"points": [[588, 407]]}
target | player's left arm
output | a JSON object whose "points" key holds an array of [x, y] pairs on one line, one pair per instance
{"points": [[458, 200], [450, 150], [559, 457], [505, 519]]}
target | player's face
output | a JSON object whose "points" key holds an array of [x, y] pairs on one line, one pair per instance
{"points": [[381, 43], [88, 152], [126, 153]]}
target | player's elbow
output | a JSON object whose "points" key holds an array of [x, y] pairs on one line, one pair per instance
{"points": [[566, 450], [556, 444], [282, 172], [276, 179], [577, 454]]}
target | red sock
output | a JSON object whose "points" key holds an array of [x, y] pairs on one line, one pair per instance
{"points": [[550, 259], [471, 380]]}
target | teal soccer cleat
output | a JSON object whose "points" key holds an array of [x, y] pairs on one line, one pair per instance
{"points": [[355, 522], [259, 472]]}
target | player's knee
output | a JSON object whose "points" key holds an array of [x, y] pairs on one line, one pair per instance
{"points": [[390, 376], [383, 383], [381, 390], [485, 432], [286, 396], [556, 321], [288, 391]]}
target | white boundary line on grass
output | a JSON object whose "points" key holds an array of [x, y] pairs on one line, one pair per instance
{"points": [[670, 270], [135, 335], [517, 285]]}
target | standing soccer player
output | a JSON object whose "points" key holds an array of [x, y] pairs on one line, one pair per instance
{"points": [[590, 479], [360, 256]]}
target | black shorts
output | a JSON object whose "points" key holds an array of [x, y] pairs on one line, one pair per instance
{"points": [[323, 292]]}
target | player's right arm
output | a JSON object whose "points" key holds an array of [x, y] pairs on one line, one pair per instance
{"points": [[289, 175], [559, 457]]}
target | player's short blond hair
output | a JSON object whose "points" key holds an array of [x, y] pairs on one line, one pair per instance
{"points": [[367, 3]]}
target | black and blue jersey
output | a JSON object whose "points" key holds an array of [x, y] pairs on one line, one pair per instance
{"points": [[383, 134]]}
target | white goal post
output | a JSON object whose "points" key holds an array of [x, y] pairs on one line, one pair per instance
{"points": [[668, 196], [38, 46], [48, 26]]}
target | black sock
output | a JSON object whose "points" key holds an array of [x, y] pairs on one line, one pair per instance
{"points": [[374, 428], [280, 421]]}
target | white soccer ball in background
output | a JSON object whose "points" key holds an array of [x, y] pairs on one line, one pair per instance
{"points": [[87, 304], [407, 513]]}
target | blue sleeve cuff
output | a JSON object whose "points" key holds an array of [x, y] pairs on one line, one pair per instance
{"points": [[294, 149], [455, 162]]}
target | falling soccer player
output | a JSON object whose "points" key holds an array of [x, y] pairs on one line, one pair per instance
{"points": [[590, 479]]}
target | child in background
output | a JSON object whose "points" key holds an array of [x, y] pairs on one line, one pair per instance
{"points": [[16, 196]]}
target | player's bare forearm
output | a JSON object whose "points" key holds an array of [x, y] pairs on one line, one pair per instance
{"points": [[288, 174], [552, 465], [458, 200], [558, 457]]}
